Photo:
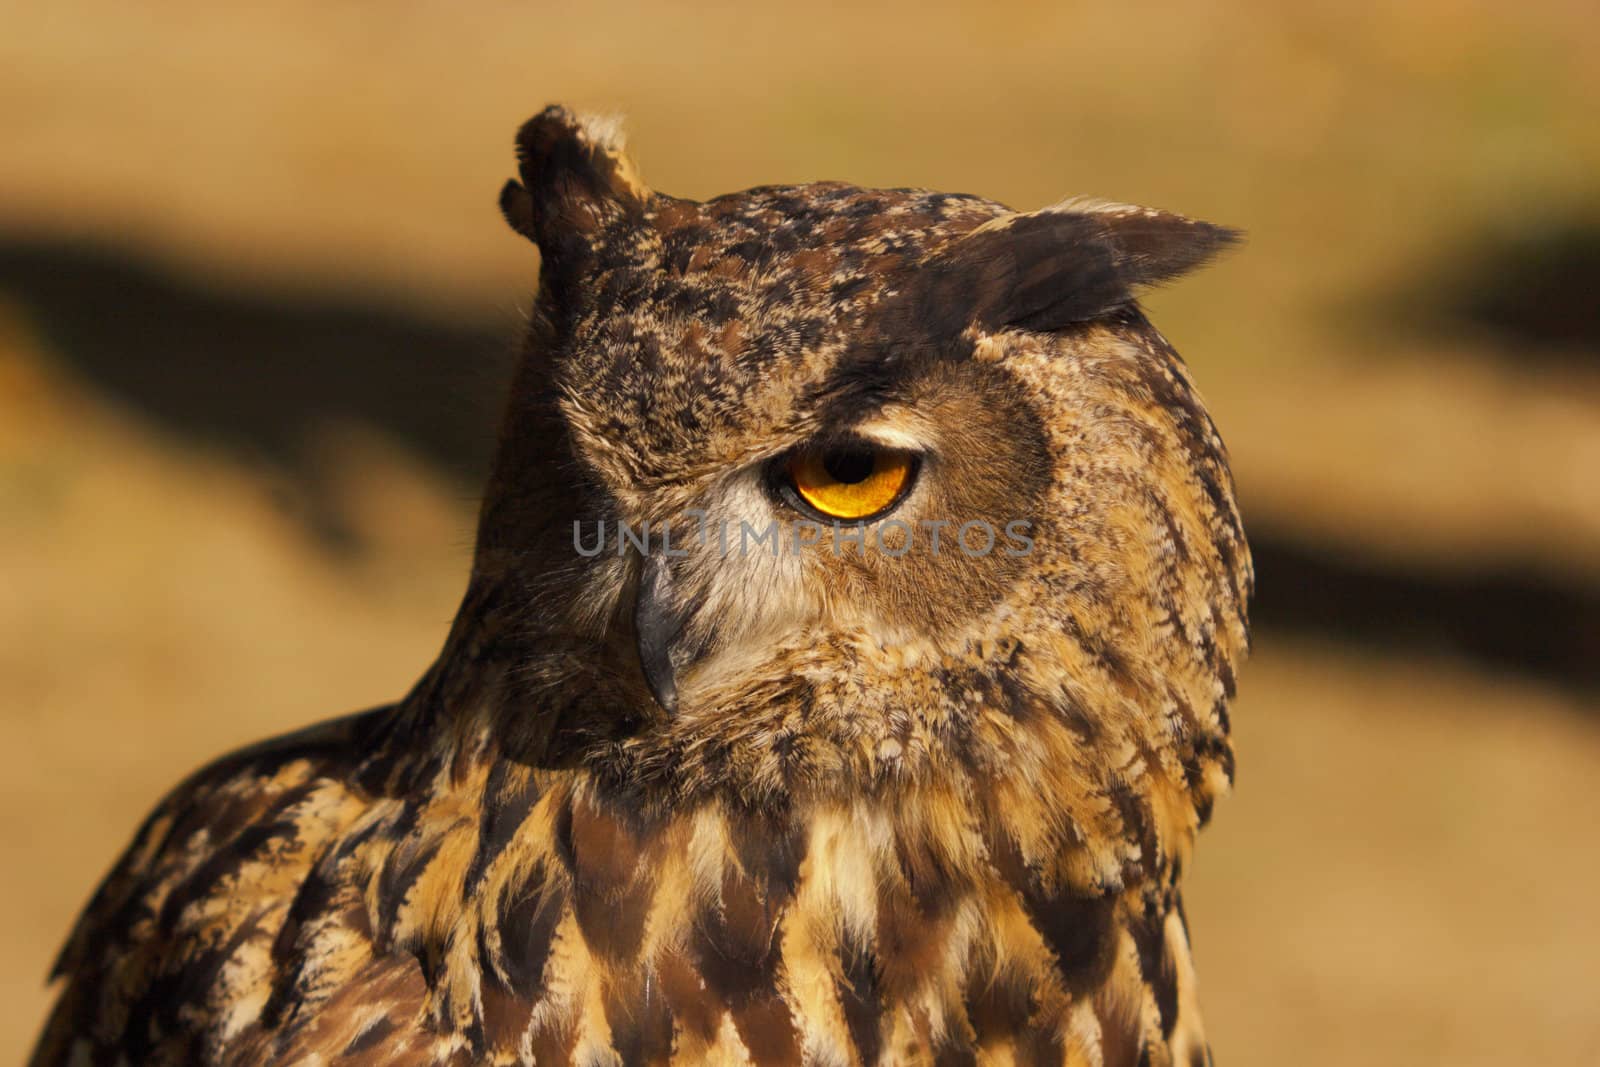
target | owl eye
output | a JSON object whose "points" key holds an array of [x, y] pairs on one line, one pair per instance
{"points": [[853, 482]]}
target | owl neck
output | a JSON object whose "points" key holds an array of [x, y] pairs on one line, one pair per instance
{"points": [[1125, 778]]}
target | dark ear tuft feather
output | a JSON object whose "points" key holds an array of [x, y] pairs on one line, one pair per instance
{"points": [[1156, 246], [1070, 264], [575, 176]]}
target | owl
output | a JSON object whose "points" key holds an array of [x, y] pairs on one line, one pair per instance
{"points": [[842, 678]]}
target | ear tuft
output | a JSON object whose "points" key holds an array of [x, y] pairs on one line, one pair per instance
{"points": [[575, 176], [1075, 262], [1154, 246]]}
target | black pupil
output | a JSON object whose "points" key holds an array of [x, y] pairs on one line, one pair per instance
{"points": [[849, 466]]}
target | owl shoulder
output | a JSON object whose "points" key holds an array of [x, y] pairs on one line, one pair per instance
{"points": [[180, 932]]}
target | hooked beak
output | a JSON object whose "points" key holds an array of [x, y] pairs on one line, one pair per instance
{"points": [[658, 623]]}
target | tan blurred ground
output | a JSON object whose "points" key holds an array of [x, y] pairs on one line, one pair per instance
{"points": [[1406, 874]]}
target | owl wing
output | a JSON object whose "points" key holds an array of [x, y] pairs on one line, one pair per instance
{"points": [[173, 960]]}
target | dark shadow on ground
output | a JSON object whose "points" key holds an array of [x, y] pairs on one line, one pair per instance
{"points": [[1530, 622], [258, 375], [1528, 290]]}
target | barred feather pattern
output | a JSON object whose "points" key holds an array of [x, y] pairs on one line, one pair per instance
{"points": [[509, 915]]}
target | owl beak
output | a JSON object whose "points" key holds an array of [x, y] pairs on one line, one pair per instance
{"points": [[658, 623]]}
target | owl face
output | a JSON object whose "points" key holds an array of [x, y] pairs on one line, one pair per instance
{"points": [[842, 467]]}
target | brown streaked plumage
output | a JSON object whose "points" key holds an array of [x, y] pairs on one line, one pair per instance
{"points": [[807, 804]]}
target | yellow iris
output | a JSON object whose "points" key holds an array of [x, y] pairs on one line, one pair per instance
{"points": [[850, 483]]}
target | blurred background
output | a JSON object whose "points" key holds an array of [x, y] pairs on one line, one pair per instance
{"points": [[257, 308]]}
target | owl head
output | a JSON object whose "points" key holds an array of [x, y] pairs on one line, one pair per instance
{"points": [[811, 490]]}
